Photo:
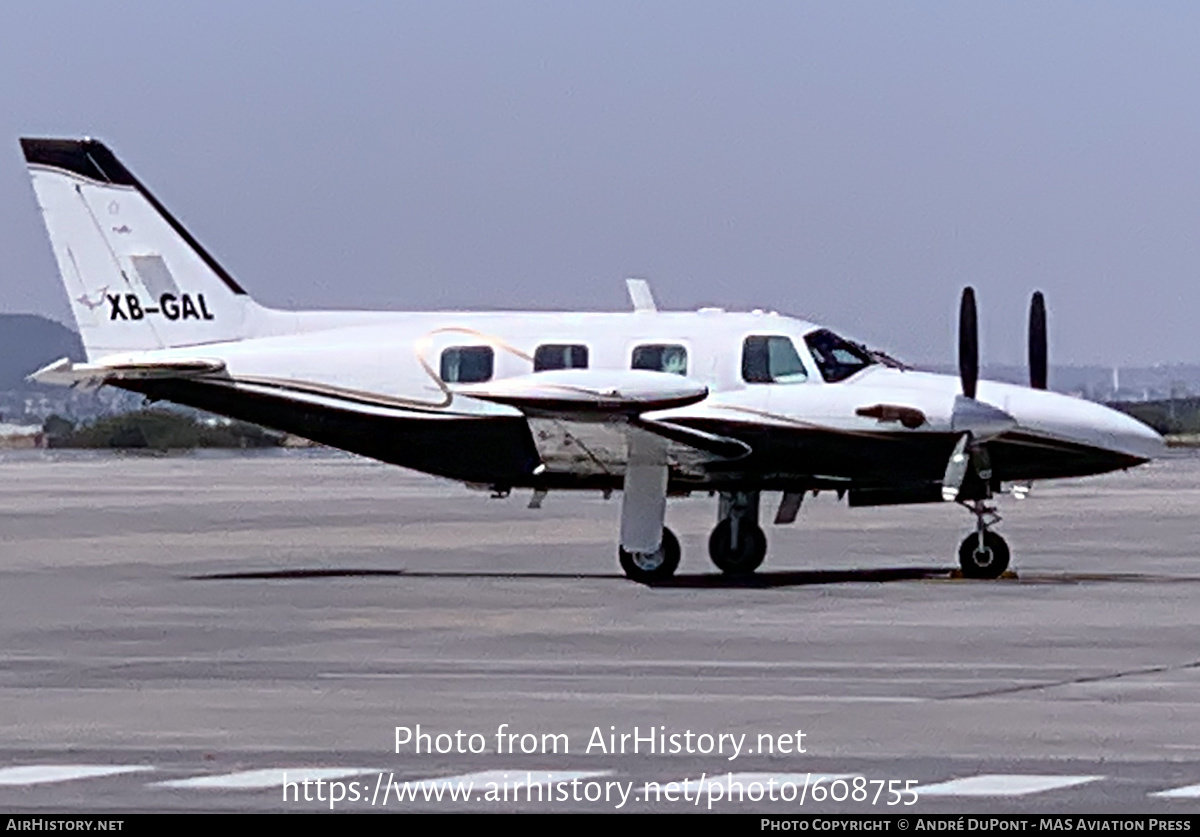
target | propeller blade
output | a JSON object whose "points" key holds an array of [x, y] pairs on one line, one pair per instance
{"points": [[1037, 341], [968, 343]]}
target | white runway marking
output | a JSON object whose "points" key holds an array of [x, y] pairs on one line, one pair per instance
{"points": [[726, 780], [794, 778], [38, 774], [1002, 784], [533, 778], [1187, 792], [272, 777]]}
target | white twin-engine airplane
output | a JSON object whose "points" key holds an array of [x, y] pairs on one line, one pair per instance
{"points": [[652, 403]]}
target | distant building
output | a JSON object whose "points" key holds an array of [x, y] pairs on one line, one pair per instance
{"points": [[21, 436]]}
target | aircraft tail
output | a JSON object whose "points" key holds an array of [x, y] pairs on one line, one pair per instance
{"points": [[137, 280]]}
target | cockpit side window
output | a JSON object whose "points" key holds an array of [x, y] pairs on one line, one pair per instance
{"points": [[467, 364], [660, 358], [771, 360], [559, 356], [836, 357]]}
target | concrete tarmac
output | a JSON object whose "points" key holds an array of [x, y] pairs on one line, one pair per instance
{"points": [[202, 623]]}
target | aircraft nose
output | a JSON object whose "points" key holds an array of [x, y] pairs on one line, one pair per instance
{"points": [[1141, 437], [1128, 435], [1088, 423]]}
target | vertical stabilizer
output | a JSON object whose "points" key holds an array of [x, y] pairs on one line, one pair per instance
{"points": [[136, 279]]}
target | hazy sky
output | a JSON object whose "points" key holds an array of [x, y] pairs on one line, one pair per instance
{"points": [[852, 163]]}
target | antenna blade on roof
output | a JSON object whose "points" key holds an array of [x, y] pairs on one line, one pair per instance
{"points": [[640, 295]]}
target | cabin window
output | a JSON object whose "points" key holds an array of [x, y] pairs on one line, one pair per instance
{"points": [[467, 364], [660, 358], [837, 358], [771, 360], [560, 356]]}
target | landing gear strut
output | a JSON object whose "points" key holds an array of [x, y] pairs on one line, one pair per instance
{"points": [[648, 551], [737, 544], [983, 554]]}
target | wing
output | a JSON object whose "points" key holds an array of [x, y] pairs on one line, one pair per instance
{"points": [[590, 394], [584, 420]]}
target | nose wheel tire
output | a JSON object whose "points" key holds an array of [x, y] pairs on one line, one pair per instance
{"points": [[739, 557], [648, 567], [986, 560]]}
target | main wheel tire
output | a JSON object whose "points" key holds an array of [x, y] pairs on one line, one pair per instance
{"points": [[741, 558], [649, 567], [989, 562]]}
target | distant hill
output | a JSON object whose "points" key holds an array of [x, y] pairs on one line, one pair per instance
{"points": [[28, 342]]}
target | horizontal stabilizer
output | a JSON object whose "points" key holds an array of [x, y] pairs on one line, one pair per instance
{"points": [[65, 373], [597, 392]]}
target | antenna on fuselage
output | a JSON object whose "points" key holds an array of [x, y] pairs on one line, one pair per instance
{"points": [[640, 294]]}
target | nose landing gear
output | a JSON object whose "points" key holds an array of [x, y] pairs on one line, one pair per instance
{"points": [[983, 554]]}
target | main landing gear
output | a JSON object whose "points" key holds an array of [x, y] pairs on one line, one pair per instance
{"points": [[648, 567], [737, 544], [649, 551], [983, 553]]}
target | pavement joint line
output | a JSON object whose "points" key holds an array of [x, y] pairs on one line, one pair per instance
{"points": [[608, 678], [1074, 681], [693, 697], [493, 664]]}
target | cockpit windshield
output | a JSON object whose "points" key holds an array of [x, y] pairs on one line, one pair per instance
{"points": [[836, 357]]}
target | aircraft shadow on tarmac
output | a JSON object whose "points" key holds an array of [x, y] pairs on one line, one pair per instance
{"points": [[710, 581], [779, 578]]}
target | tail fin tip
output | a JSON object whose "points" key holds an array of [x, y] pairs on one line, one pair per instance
{"points": [[136, 278], [85, 157]]}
